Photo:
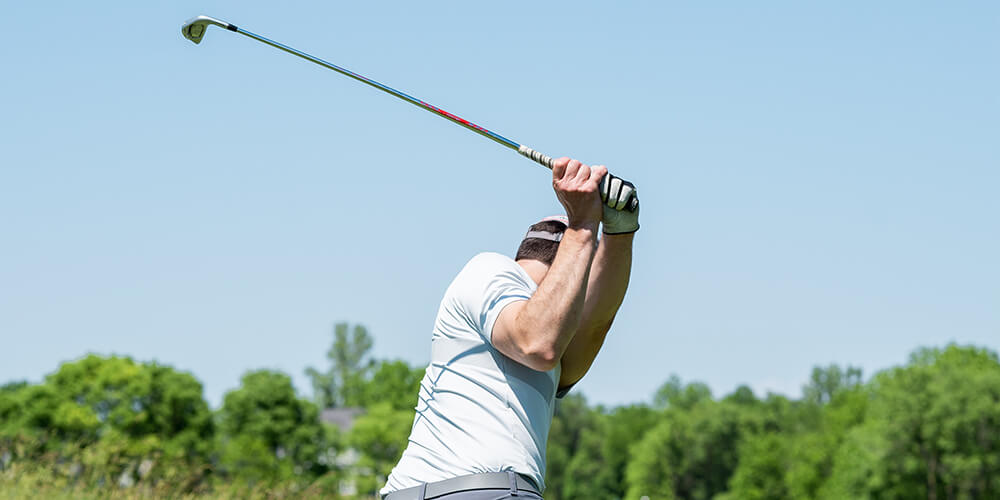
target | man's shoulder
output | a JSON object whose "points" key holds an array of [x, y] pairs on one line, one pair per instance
{"points": [[490, 260], [482, 269]]}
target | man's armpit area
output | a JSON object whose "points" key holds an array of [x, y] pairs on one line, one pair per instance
{"points": [[563, 391]]}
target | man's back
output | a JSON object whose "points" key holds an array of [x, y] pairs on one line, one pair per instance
{"points": [[478, 410], [509, 334]]}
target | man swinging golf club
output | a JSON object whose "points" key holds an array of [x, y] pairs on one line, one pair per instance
{"points": [[510, 335], [513, 335]]}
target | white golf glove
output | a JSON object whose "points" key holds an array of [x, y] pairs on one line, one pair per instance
{"points": [[617, 194]]}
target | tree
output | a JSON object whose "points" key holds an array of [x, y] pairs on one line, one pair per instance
{"points": [[932, 431], [597, 467], [812, 451], [380, 436], [342, 384], [109, 415], [12, 387], [692, 452], [792, 455], [826, 382], [136, 399], [393, 382], [675, 394], [268, 432], [582, 477], [743, 395], [761, 470], [571, 420]]}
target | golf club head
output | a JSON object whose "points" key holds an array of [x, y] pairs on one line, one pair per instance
{"points": [[194, 29]]}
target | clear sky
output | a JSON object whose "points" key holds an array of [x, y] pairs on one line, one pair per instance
{"points": [[819, 183]]}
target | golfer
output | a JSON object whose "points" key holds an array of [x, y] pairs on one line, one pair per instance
{"points": [[510, 337]]}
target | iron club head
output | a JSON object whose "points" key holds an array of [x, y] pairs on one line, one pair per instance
{"points": [[194, 28]]}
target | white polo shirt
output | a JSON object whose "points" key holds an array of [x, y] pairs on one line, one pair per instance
{"points": [[478, 410]]}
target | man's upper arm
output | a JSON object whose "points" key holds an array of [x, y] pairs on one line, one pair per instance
{"points": [[494, 294], [504, 335]]}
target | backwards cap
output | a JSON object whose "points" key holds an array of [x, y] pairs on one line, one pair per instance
{"points": [[547, 235]]}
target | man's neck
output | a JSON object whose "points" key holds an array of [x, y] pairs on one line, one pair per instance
{"points": [[536, 269]]}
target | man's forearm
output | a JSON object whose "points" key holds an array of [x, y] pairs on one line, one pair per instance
{"points": [[555, 312], [609, 277], [607, 283]]}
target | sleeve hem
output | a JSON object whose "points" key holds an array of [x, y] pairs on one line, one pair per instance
{"points": [[492, 318]]}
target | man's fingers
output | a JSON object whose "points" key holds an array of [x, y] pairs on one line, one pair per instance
{"points": [[597, 175], [559, 168], [582, 175], [572, 170]]}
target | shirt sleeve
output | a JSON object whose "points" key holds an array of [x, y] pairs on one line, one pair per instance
{"points": [[495, 281]]}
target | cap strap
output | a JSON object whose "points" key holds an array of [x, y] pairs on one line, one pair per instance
{"points": [[544, 235]]}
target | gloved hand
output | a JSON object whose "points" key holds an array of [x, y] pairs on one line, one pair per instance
{"points": [[617, 194]]}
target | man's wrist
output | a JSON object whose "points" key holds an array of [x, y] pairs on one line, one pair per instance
{"points": [[585, 235], [585, 226]]}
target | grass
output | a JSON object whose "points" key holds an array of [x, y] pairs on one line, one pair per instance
{"points": [[17, 483]]}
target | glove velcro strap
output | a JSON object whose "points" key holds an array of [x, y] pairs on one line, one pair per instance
{"points": [[623, 232]]}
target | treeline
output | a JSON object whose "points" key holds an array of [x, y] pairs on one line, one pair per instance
{"points": [[102, 425], [928, 429], [106, 424]]}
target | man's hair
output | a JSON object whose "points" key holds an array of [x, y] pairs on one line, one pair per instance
{"points": [[541, 249]]}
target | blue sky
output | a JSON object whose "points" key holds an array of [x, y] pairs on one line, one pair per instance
{"points": [[819, 182]]}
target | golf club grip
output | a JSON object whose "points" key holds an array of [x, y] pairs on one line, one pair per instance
{"points": [[543, 159], [546, 161]]}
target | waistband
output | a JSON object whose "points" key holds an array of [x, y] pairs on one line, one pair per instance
{"points": [[485, 481]]}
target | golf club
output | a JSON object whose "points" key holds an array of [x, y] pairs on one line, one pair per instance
{"points": [[194, 30]]}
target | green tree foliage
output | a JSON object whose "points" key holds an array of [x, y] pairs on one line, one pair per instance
{"points": [[793, 455], [268, 432], [571, 421], [10, 388], [692, 452], [395, 383], [115, 394], [381, 436], [826, 382], [597, 467], [928, 429], [761, 470], [933, 431], [343, 383], [675, 394], [743, 395], [107, 415]]}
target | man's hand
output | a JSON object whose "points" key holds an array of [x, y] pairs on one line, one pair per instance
{"points": [[617, 194], [535, 332], [576, 186]]}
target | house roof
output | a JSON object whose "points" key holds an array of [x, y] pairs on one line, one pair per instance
{"points": [[343, 418]]}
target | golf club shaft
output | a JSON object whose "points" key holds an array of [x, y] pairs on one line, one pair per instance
{"points": [[537, 156], [543, 159]]}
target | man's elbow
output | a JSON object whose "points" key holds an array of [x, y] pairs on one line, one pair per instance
{"points": [[542, 357]]}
